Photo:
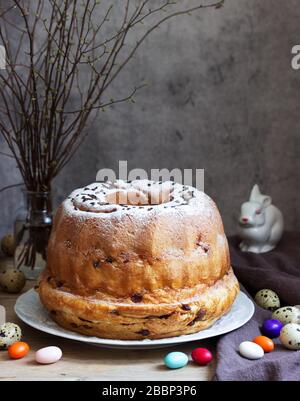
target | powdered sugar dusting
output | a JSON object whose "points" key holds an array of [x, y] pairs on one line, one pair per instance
{"points": [[107, 200]]}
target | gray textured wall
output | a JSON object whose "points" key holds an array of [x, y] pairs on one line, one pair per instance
{"points": [[222, 97]]}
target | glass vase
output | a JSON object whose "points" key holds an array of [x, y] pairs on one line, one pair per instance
{"points": [[31, 231]]}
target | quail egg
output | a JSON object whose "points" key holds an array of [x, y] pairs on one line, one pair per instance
{"points": [[267, 299], [10, 333], [290, 336], [287, 314], [12, 280], [8, 245]]}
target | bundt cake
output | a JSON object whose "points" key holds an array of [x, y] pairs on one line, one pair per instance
{"points": [[137, 260]]}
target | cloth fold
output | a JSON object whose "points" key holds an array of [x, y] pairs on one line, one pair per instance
{"points": [[278, 270]]}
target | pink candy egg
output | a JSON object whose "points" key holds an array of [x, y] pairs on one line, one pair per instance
{"points": [[48, 355]]}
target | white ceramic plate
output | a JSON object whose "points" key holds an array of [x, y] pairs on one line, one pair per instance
{"points": [[30, 310]]}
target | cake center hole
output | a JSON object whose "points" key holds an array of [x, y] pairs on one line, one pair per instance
{"points": [[136, 197]]}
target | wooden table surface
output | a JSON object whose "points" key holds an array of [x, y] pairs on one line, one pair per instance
{"points": [[86, 362]]}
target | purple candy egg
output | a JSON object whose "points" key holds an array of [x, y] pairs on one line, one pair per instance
{"points": [[271, 328]]}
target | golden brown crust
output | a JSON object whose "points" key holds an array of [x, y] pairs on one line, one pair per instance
{"points": [[189, 311], [138, 259], [139, 249]]}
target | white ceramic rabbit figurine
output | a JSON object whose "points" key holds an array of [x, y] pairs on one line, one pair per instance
{"points": [[260, 223]]}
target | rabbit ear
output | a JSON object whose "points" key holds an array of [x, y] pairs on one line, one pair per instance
{"points": [[266, 201], [257, 196], [255, 193]]}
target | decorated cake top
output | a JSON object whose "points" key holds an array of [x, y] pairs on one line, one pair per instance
{"points": [[134, 196]]}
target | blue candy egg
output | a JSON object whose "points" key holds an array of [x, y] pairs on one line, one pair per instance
{"points": [[176, 360], [271, 328]]}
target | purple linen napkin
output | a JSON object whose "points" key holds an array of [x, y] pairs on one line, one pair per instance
{"points": [[278, 270]]}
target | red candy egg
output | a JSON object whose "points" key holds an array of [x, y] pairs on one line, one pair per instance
{"points": [[202, 356]]}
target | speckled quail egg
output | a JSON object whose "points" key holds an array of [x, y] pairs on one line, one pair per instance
{"points": [[10, 333], [267, 299], [290, 336], [8, 245], [287, 314], [12, 280]]}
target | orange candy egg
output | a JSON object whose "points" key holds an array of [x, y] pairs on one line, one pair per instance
{"points": [[18, 350], [265, 342]]}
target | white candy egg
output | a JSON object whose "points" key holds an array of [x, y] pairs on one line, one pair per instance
{"points": [[267, 299], [48, 355], [287, 314], [290, 336], [250, 350]]}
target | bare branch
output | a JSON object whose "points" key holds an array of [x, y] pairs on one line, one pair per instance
{"points": [[11, 186], [63, 56]]}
